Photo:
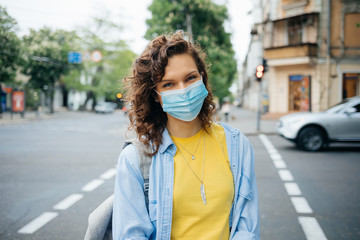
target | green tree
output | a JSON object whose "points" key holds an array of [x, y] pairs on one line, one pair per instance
{"points": [[46, 58], [10, 47], [104, 77], [204, 20]]}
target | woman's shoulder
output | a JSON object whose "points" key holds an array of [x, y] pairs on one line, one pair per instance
{"points": [[217, 127], [231, 131], [226, 128], [129, 159], [129, 154]]}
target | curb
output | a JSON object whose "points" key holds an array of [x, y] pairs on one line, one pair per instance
{"points": [[18, 120], [258, 133]]}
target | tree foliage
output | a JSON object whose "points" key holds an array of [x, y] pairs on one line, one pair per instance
{"points": [[46, 58], [42, 57], [205, 20], [104, 77], [10, 47]]}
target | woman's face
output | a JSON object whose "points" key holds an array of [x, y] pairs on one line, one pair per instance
{"points": [[180, 72]]}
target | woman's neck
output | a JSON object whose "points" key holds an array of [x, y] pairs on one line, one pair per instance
{"points": [[182, 129]]}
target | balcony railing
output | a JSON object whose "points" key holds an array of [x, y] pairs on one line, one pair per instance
{"points": [[291, 51]]}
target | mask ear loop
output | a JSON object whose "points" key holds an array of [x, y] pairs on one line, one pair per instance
{"points": [[157, 98], [157, 92]]}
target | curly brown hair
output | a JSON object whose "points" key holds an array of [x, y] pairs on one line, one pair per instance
{"points": [[146, 114]]}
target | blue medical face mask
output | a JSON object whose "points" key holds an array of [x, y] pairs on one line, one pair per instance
{"points": [[185, 104]]}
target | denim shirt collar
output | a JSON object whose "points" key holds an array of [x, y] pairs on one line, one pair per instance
{"points": [[167, 143], [169, 146]]}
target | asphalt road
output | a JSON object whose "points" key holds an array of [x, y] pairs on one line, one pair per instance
{"points": [[46, 167]]}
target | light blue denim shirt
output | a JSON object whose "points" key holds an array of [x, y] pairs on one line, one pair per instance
{"points": [[131, 219]]}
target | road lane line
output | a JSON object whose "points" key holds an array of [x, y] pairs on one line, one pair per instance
{"points": [[309, 225], [301, 205], [91, 186], [108, 174], [312, 228], [292, 189], [68, 202], [38, 222], [286, 175], [271, 150], [275, 156], [280, 164], [264, 138]]}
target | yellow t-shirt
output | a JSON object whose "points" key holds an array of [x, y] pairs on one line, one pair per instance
{"points": [[192, 219]]}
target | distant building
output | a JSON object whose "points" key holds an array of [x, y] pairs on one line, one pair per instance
{"points": [[312, 49], [254, 56]]}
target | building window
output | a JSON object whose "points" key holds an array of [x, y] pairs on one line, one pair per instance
{"points": [[299, 93], [351, 85], [352, 30], [295, 31]]}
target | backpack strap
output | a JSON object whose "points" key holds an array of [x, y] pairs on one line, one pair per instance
{"points": [[144, 163], [144, 160], [100, 220]]}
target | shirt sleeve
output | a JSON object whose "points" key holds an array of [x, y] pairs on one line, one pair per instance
{"points": [[247, 206], [130, 216]]}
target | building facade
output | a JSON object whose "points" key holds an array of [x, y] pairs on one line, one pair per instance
{"points": [[312, 49]]}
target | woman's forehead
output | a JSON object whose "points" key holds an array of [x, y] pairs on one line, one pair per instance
{"points": [[179, 65]]}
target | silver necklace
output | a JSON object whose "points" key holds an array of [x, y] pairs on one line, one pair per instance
{"points": [[202, 187], [192, 154]]}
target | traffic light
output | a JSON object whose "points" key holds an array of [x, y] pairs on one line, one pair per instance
{"points": [[264, 63], [119, 95], [259, 72]]}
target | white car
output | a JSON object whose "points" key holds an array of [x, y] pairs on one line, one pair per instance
{"points": [[105, 107], [313, 131]]}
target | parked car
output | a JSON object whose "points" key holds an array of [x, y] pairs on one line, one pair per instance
{"points": [[313, 131], [105, 107]]}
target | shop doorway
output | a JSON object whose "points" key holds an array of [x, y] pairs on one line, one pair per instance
{"points": [[350, 85], [299, 93]]}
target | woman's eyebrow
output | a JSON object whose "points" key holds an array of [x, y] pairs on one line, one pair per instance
{"points": [[170, 80], [191, 73], [166, 80]]}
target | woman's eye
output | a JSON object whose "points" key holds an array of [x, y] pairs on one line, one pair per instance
{"points": [[191, 78], [166, 85]]}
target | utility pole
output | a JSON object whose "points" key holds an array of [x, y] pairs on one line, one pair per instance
{"points": [[189, 24], [259, 74]]}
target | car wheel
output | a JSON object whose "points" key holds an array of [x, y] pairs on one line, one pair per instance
{"points": [[311, 139]]}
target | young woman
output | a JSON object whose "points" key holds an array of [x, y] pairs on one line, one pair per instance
{"points": [[201, 179]]}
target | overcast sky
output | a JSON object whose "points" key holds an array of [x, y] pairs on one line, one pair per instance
{"points": [[69, 14]]}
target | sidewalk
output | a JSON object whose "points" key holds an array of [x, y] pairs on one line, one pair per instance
{"points": [[246, 121], [242, 119], [16, 118]]}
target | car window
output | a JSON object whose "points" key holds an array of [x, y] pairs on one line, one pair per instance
{"points": [[337, 107], [357, 107]]}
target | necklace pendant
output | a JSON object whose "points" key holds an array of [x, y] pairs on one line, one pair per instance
{"points": [[202, 191], [193, 157]]}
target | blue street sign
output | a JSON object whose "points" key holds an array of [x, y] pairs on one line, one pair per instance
{"points": [[74, 57]]}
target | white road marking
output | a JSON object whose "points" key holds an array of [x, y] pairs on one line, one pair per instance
{"points": [[91, 186], [68, 202], [280, 164], [301, 205], [275, 156], [271, 149], [286, 175], [108, 174], [309, 225], [292, 189], [38, 222], [312, 228]]}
